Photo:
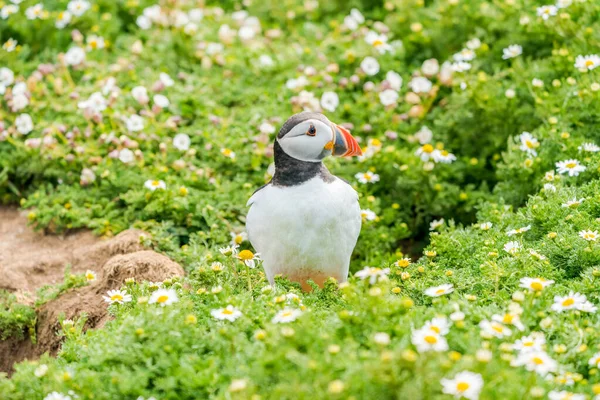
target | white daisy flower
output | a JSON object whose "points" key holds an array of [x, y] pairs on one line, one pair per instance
{"points": [[134, 123], [465, 384], [394, 80], [228, 153], [140, 94], [439, 325], [34, 12], [117, 296], [57, 396], [572, 203], [486, 226], [369, 66], [126, 156], [428, 152], [62, 19], [589, 235], [8, 10], [155, 184], [182, 142], [388, 97], [509, 318], [564, 395], [229, 313], [424, 135], [464, 55], [512, 51], [538, 361], [373, 274], [426, 339], [330, 101], [595, 361], [420, 85], [512, 247], [589, 147], [96, 103], [547, 11], [529, 143], [436, 223], [75, 56], [378, 41], [78, 7], [90, 276], [367, 177], [286, 315], [534, 342], [368, 215], [24, 124], [572, 301], [518, 231], [95, 42], [496, 329], [238, 238], [441, 290], [249, 258], [164, 297], [587, 63]]}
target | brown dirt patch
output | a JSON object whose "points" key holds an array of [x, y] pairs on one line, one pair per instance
{"points": [[26, 257]]}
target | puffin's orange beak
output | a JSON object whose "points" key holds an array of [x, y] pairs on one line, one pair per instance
{"points": [[344, 143]]}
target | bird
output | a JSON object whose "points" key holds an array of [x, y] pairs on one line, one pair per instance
{"points": [[305, 222]]}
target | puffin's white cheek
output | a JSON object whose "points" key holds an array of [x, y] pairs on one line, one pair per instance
{"points": [[304, 148]]}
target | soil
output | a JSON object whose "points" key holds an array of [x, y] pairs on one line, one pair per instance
{"points": [[30, 260]]}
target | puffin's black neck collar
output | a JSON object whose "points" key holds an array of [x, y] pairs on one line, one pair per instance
{"points": [[291, 172]]}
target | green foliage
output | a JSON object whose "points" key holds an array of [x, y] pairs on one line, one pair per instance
{"points": [[16, 320]]}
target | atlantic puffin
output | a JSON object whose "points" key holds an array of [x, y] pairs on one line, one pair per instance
{"points": [[305, 222]]}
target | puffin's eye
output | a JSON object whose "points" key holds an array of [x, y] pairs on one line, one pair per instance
{"points": [[312, 131]]}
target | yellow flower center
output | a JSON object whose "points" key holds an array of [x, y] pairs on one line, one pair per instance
{"points": [[226, 152], [367, 176], [116, 297], [589, 63], [435, 329], [529, 144], [508, 318], [376, 142], [162, 299], [427, 148], [589, 235], [537, 360], [155, 183], [94, 44], [537, 286], [431, 339], [89, 276], [246, 255], [286, 314], [238, 239], [568, 302], [462, 386], [403, 263], [440, 291], [227, 311], [527, 344], [571, 165], [497, 328]]}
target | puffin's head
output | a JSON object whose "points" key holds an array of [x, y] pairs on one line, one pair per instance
{"points": [[310, 136]]}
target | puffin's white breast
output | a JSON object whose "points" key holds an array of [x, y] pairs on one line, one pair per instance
{"points": [[307, 231]]}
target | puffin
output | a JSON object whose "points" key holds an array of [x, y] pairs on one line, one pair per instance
{"points": [[305, 222]]}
